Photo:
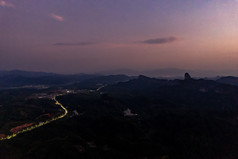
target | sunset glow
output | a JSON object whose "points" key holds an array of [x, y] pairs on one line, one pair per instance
{"points": [[91, 36]]}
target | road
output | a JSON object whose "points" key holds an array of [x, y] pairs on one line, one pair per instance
{"points": [[39, 124]]}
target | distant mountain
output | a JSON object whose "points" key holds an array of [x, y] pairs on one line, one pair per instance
{"points": [[178, 73], [19, 78], [25, 73], [229, 80], [166, 72], [140, 84], [96, 82], [197, 94], [171, 73], [129, 72]]}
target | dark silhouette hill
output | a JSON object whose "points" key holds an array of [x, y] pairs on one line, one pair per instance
{"points": [[138, 118], [197, 94], [99, 81], [229, 80], [21, 78]]}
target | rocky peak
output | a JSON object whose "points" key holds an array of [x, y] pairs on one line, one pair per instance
{"points": [[187, 76], [143, 77]]}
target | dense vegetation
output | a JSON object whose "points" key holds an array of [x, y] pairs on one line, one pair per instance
{"points": [[18, 108], [170, 119]]}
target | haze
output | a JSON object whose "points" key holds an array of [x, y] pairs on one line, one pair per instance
{"points": [[73, 36]]}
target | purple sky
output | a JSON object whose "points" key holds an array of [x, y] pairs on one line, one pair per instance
{"points": [[73, 36]]}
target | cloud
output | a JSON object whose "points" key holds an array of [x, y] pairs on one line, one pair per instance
{"points": [[6, 4], [75, 44], [57, 17], [160, 40]]}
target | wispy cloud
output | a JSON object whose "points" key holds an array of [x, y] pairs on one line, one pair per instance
{"points": [[160, 40], [75, 44], [6, 4], [57, 17]]}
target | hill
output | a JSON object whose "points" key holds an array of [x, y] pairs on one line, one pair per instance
{"points": [[136, 118], [229, 80]]}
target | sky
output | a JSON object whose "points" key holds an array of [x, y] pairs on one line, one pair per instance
{"points": [[87, 36]]}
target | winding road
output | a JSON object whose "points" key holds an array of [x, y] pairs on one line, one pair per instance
{"points": [[41, 123]]}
